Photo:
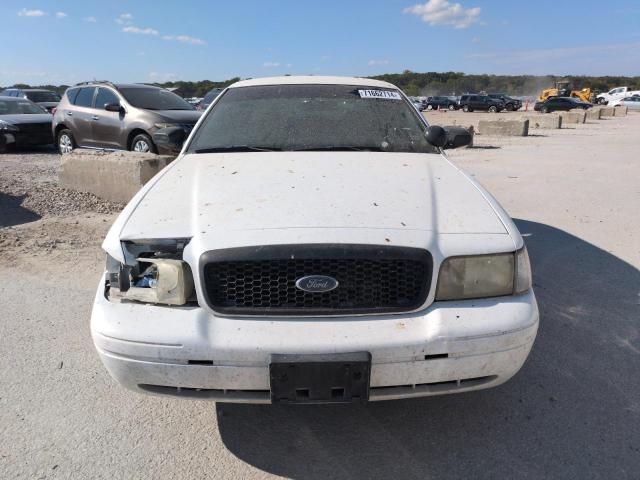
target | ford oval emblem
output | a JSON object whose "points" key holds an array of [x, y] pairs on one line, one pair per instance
{"points": [[316, 283]]}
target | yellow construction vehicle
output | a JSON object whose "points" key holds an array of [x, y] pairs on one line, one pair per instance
{"points": [[563, 89]]}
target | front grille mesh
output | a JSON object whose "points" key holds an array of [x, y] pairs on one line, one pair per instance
{"points": [[369, 282]]}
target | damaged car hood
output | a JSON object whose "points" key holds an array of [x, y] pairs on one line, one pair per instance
{"points": [[211, 195]]}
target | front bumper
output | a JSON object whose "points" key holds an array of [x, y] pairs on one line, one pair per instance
{"points": [[188, 352]]}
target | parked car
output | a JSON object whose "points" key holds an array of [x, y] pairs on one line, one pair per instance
{"points": [[510, 104], [560, 104], [632, 103], [471, 102], [418, 104], [615, 94], [209, 98], [266, 264], [122, 116], [23, 123], [45, 98], [441, 103]]}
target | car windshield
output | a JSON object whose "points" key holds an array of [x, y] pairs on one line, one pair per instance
{"points": [[312, 117], [13, 107], [43, 96], [154, 99]]}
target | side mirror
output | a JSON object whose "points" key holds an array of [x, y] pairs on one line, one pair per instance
{"points": [[113, 107], [169, 139], [457, 137], [436, 136]]}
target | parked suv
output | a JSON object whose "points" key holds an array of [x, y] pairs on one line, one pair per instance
{"points": [[469, 103], [122, 117], [510, 103], [45, 98], [441, 103]]}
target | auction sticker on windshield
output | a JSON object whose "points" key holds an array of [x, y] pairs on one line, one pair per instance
{"points": [[384, 94]]}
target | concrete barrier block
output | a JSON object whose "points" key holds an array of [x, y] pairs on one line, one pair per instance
{"points": [[508, 128], [620, 111], [544, 121], [114, 176], [572, 117], [606, 112], [594, 113]]}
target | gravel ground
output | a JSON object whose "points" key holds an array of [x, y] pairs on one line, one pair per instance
{"points": [[573, 412]]}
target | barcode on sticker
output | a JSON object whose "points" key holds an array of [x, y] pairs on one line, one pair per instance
{"points": [[384, 94]]}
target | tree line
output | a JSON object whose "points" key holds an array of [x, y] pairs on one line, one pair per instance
{"points": [[431, 83]]}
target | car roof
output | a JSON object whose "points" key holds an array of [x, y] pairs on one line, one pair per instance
{"points": [[34, 90], [312, 80], [13, 99], [116, 85]]}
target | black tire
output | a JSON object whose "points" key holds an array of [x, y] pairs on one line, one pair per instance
{"points": [[138, 144], [493, 109], [452, 106], [509, 107], [465, 108], [429, 107], [65, 142], [544, 110]]}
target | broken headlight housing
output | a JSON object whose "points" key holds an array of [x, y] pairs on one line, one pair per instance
{"points": [[154, 272], [483, 276]]}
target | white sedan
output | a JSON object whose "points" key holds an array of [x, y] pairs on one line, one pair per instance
{"points": [[313, 244], [632, 103]]}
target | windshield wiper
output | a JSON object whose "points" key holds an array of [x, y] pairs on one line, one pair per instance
{"points": [[332, 148], [236, 148]]}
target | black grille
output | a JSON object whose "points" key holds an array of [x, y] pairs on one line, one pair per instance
{"points": [[262, 280]]}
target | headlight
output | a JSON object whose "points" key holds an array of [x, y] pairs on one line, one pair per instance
{"points": [[161, 276], [482, 276], [5, 126], [167, 125]]}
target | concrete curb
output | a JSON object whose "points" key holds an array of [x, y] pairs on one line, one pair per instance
{"points": [[508, 128], [607, 112], [573, 116], [114, 176], [544, 121], [620, 111]]}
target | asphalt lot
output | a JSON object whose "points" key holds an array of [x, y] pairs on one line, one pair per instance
{"points": [[572, 412]]}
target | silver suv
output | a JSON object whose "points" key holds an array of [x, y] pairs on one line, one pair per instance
{"points": [[120, 117]]}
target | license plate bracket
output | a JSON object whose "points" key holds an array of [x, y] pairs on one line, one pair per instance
{"points": [[331, 378]]}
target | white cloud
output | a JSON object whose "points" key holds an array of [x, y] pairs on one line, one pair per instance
{"points": [[60, 15], [271, 64], [185, 39], [90, 19], [373, 63], [124, 19], [443, 12], [140, 31], [31, 13]]}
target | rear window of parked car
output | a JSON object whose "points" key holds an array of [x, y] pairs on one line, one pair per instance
{"points": [[43, 97]]}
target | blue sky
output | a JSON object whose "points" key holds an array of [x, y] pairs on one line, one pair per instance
{"points": [[67, 41]]}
